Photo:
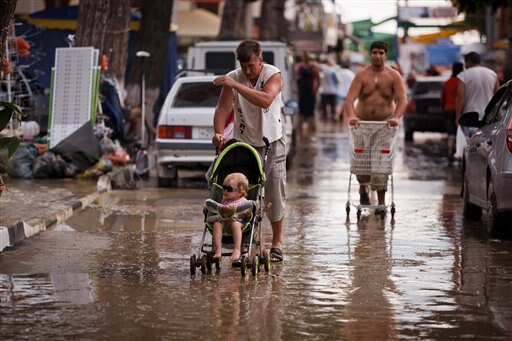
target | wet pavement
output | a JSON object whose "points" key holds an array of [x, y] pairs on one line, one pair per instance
{"points": [[120, 269]]}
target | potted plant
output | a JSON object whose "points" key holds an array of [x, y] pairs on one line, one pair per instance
{"points": [[8, 144]]}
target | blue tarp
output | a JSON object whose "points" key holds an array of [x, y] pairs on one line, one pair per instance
{"points": [[443, 53], [45, 40]]}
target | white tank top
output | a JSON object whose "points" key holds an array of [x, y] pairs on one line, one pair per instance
{"points": [[479, 85], [251, 121]]}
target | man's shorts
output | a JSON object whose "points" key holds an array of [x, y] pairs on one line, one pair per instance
{"points": [[275, 172]]}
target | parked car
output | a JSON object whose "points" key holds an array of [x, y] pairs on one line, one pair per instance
{"points": [[487, 162], [424, 111], [185, 128]]}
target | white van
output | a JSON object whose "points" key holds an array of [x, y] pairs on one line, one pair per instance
{"points": [[218, 57]]}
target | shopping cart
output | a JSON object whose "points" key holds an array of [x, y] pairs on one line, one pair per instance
{"points": [[372, 155]]}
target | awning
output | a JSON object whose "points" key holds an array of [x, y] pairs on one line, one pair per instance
{"points": [[198, 23]]}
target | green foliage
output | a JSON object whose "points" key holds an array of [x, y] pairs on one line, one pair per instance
{"points": [[8, 144]]}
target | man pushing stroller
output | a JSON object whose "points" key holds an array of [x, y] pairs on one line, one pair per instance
{"points": [[255, 90]]}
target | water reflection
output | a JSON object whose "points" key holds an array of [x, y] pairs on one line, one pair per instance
{"points": [[368, 313]]}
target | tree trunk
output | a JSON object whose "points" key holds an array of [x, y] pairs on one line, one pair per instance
{"points": [[7, 8], [92, 23], [104, 24], [233, 17], [272, 22], [153, 37], [116, 39]]}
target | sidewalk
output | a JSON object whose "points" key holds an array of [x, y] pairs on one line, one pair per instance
{"points": [[31, 206]]}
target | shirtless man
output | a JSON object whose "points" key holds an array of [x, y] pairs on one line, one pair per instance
{"points": [[381, 96]]}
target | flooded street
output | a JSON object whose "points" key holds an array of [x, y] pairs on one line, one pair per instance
{"points": [[120, 269]]}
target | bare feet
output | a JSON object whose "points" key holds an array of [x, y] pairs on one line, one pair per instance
{"points": [[217, 253], [235, 255]]}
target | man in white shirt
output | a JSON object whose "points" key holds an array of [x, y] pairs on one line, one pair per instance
{"points": [[255, 91], [477, 85]]}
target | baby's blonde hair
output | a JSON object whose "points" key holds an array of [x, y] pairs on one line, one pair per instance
{"points": [[242, 183]]}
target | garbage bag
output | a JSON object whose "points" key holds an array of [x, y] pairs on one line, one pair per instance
{"points": [[82, 148], [22, 161]]}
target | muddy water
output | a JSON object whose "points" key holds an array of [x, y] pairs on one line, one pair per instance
{"points": [[121, 269]]}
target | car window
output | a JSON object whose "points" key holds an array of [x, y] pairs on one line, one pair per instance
{"points": [[268, 57], [504, 107], [220, 62], [497, 107], [197, 95], [422, 88]]}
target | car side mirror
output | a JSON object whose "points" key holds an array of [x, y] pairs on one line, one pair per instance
{"points": [[470, 119]]}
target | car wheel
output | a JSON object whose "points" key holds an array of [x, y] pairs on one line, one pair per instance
{"points": [[469, 210], [494, 218], [167, 182], [167, 176]]}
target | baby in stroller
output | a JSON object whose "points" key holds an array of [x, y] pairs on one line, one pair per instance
{"points": [[233, 212]]}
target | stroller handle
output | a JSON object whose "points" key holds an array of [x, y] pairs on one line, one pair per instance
{"points": [[267, 142]]}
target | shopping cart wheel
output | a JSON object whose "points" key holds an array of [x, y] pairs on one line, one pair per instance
{"points": [[193, 264], [244, 266], [255, 265]]}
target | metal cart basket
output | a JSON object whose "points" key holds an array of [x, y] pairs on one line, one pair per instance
{"points": [[372, 155]]}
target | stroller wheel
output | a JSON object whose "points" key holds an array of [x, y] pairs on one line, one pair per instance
{"points": [[193, 260], [255, 265], [265, 259], [209, 262], [218, 264], [204, 264], [244, 266]]}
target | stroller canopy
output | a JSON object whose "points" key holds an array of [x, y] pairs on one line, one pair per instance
{"points": [[239, 157]]}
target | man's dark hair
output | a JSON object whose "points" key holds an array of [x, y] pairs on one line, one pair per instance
{"points": [[472, 57], [247, 49], [457, 68], [379, 45]]}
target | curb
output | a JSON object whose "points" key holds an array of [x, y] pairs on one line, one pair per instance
{"points": [[12, 234]]}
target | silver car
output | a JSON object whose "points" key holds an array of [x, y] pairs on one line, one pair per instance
{"points": [[487, 162]]}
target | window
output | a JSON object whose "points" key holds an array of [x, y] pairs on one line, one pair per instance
{"points": [[422, 88], [268, 57], [220, 62], [197, 95]]}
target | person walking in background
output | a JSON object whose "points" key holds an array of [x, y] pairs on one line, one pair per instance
{"points": [[346, 77], [254, 90], [308, 81], [448, 97], [477, 85], [381, 96], [329, 82]]}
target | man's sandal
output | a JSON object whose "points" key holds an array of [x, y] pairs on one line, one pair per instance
{"points": [[276, 255]]}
